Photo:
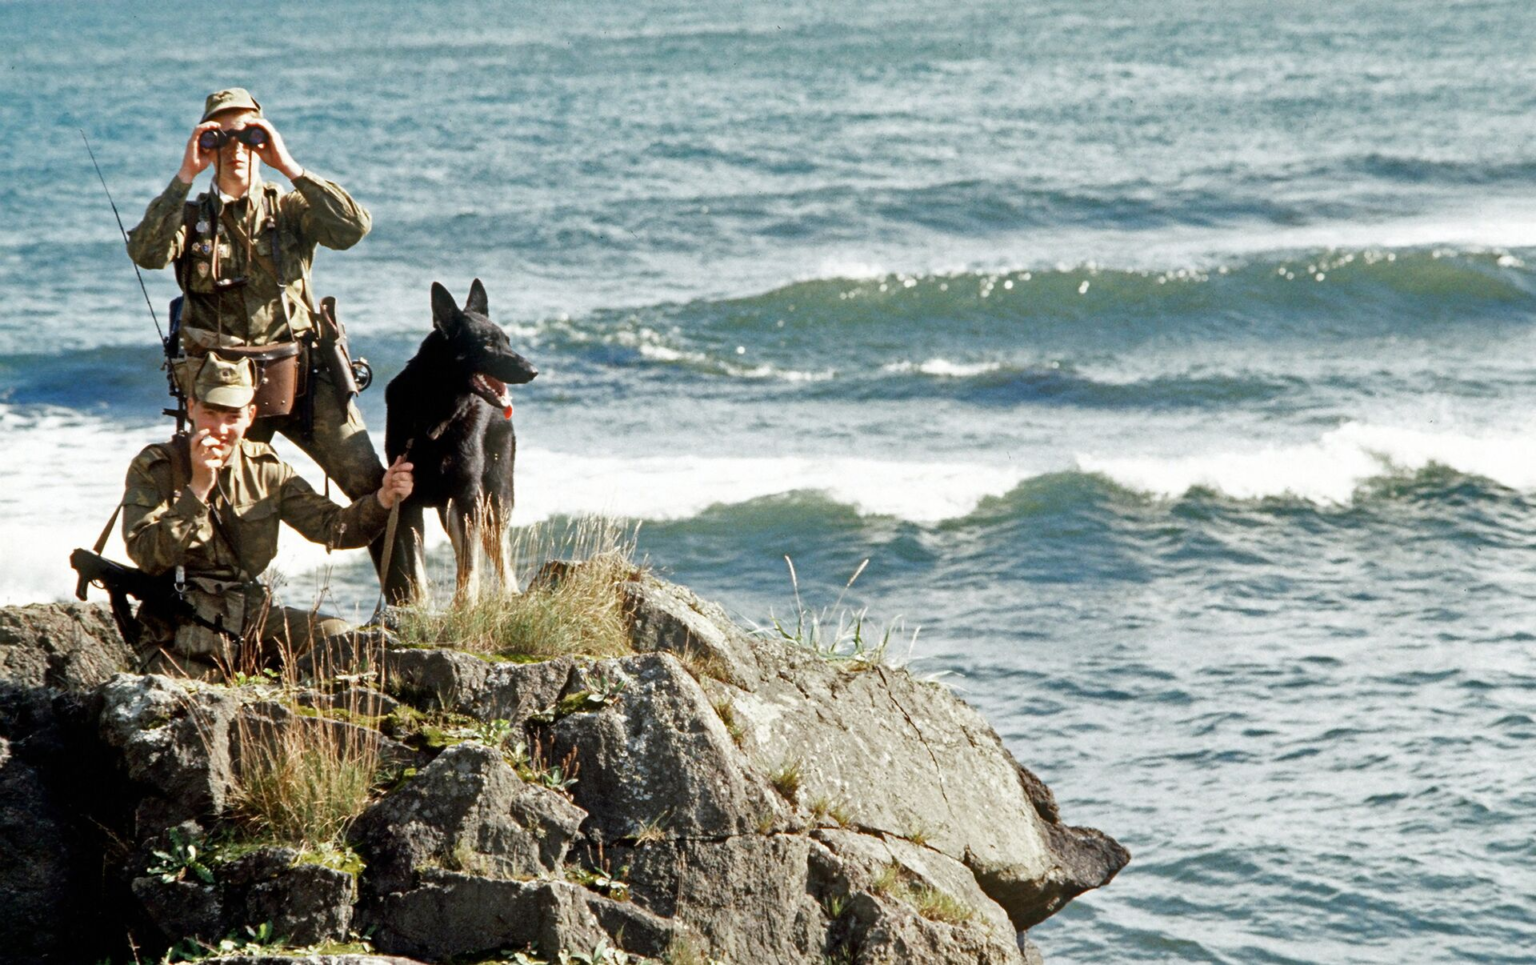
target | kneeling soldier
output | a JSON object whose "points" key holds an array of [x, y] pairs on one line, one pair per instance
{"points": [[206, 506]]}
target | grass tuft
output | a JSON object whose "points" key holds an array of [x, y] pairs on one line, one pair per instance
{"points": [[574, 607], [937, 905], [839, 634], [303, 780], [932, 903], [304, 783], [786, 777], [726, 709], [826, 808]]}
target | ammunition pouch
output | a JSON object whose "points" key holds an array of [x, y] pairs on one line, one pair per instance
{"points": [[157, 593], [282, 373]]}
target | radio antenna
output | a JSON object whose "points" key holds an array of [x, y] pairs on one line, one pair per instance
{"points": [[151, 305]]}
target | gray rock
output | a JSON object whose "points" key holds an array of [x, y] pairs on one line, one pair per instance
{"points": [[661, 756], [468, 811], [67, 646], [435, 679], [452, 914], [1030, 950], [306, 903], [908, 759], [891, 933], [36, 887], [457, 682], [189, 908], [863, 858], [348, 959], [664, 616], [748, 896], [173, 738]]}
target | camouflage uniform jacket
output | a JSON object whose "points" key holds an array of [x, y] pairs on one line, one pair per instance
{"points": [[164, 527], [316, 212]]}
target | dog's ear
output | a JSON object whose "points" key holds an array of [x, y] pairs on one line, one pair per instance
{"points": [[476, 300], [445, 314]]}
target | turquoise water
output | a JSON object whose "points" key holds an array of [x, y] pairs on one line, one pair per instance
{"points": [[1171, 365]]}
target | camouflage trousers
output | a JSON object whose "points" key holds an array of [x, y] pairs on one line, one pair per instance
{"points": [[339, 444], [271, 635]]}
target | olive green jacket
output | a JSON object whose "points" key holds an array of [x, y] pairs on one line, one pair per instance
{"points": [[317, 212], [164, 527]]}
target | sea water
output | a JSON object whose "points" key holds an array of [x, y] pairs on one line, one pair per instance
{"points": [[1171, 364]]}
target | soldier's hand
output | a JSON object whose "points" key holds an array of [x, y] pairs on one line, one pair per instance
{"points": [[398, 483], [195, 160], [275, 151], [209, 455]]}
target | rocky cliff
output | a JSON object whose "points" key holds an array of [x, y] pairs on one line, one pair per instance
{"points": [[713, 796]]}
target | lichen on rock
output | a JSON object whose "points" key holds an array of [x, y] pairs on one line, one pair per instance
{"points": [[714, 791]]}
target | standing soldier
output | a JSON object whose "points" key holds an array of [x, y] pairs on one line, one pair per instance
{"points": [[206, 509], [242, 254]]}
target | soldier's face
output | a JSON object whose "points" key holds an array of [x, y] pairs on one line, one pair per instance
{"points": [[226, 425], [238, 164]]}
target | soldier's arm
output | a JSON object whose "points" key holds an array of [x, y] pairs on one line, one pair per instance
{"points": [[157, 240], [161, 526], [326, 213], [321, 521]]}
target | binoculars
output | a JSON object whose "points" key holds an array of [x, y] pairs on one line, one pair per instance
{"points": [[249, 136]]}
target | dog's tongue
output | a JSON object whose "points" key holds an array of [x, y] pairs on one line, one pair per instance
{"points": [[506, 410]]}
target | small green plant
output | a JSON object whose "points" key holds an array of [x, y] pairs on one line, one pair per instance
{"points": [[491, 733], [607, 690], [601, 954], [556, 779], [785, 778], [887, 881], [935, 904], [182, 857], [834, 905], [266, 675], [601, 881], [918, 834], [825, 807], [836, 633], [530, 766], [726, 709], [651, 831], [256, 939], [766, 822]]}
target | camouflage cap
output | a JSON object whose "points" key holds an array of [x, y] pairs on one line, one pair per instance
{"points": [[233, 99], [220, 382]]}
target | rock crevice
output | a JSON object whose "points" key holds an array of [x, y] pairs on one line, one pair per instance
{"points": [[714, 793]]}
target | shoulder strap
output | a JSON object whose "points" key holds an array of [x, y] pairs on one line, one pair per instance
{"points": [[106, 531], [181, 473]]}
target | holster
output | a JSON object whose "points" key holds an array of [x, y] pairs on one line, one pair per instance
{"points": [[335, 355]]}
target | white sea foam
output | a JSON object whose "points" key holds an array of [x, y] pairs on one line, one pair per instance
{"points": [[943, 368], [677, 487], [63, 477], [65, 471], [1328, 470]]}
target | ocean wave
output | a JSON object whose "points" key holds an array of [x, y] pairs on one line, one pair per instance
{"points": [[972, 324], [1330, 470]]}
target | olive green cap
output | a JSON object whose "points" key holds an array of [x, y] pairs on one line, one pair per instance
{"points": [[224, 383], [233, 99]]}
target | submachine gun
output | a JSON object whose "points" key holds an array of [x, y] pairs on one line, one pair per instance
{"points": [[121, 582]]}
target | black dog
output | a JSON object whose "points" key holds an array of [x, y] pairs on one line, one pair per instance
{"points": [[450, 415]]}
